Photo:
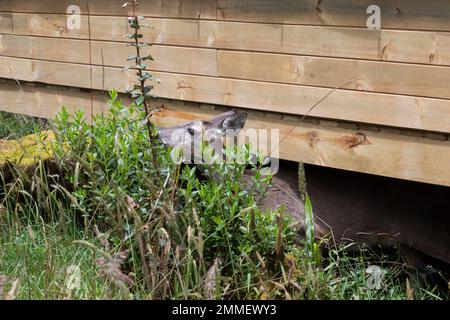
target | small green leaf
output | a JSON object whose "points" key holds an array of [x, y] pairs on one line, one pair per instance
{"points": [[244, 229], [145, 76], [151, 95], [134, 35], [140, 100], [113, 95], [136, 93], [149, 57], [133, 22], [147, 89], [217, 220]]}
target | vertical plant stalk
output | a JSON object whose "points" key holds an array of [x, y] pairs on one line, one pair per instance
{"points": [[142, 91], [279, 244], [90, 64], [302, 181], [144, 262]]}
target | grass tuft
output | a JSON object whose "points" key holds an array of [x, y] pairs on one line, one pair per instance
{"points": [[89, 222]]}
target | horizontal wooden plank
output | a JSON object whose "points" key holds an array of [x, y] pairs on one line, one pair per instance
{"points": [[42, 24], [172, 59], [383, 154], [407, 79], [205, 9], [64, 50], [45, 102], [392, 110], [387, 77], [359, 43], [74, 75], [400, 14]]}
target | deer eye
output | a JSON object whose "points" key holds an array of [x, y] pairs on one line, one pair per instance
{"points": [[191, 131]]}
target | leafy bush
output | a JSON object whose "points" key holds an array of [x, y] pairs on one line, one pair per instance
{"points": [[114, 210], [182, 237], [138, 228], [107, 163]]}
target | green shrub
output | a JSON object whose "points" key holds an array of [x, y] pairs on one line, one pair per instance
{"points": [[103, 183], [138, 228], [107, 163]]}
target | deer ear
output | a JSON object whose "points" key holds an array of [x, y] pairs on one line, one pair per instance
{"points": [[235, 122], [230, 120]]}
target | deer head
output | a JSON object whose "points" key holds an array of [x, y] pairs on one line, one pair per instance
{"points": [[190, 135]]}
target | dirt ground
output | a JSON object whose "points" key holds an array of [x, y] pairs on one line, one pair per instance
{"points": [[379, 210]]}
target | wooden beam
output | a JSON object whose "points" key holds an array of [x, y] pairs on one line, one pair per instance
{"points": [[372, 76], [383, 154], [398, 78], [172, 59], [203, 9], [43, 24], [45, 102], [64, 50], [392, 110], [400, 14], [425, 47]]}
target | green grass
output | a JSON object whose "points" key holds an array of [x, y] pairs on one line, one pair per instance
{"points": [[41, 257], [14, 126], [101, 213]]}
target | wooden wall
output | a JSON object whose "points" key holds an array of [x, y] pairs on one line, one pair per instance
{"points": [[279, 56]]}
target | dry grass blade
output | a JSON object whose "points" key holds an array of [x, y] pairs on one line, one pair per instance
{"points": [[111, 270], [211, 280], [12, 293], [409, 291]]}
